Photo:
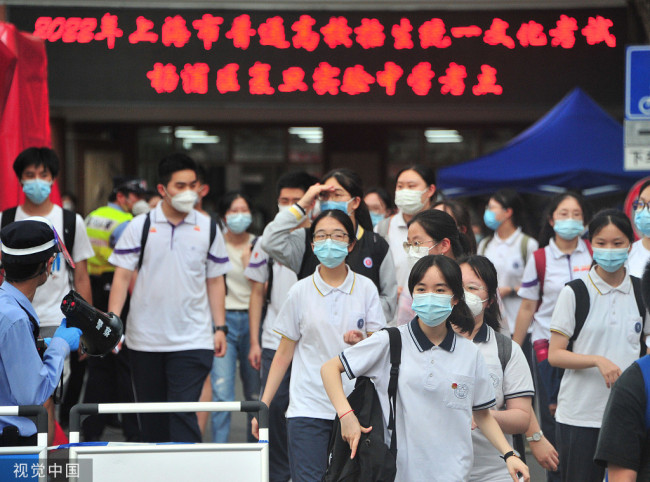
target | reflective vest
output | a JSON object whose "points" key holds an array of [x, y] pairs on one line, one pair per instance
{"points": [[100, 224]]}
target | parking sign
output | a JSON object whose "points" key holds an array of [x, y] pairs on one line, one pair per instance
{"points": [[637, 82]]}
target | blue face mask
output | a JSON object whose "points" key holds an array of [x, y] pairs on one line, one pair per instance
{"points": [[238, 223], [432, 308], [376, 218], [568, 229], [610, 259], [331, 253], [340, 205], [37, 190], [642, 221], [490, 220]]}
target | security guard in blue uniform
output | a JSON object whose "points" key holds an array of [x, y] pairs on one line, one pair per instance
{"points": [[29, 248]]}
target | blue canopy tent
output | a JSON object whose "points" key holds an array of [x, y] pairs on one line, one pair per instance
{"points": [[576, 145]]}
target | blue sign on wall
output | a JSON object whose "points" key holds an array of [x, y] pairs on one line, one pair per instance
{"points": [[637, 82]]}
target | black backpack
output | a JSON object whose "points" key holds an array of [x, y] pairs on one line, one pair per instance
{"points": [[374, 461]]}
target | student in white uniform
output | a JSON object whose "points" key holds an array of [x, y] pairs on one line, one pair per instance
{"points": [[371, 257], [608, 342], [564, 256], [640, 252], [414, 192], [235, 211], [270, 283], [443, 383], [513, 386], [430, 232], [333, 308], [509, 247]]}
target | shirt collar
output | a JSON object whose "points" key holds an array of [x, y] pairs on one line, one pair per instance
{"points": [[510, 240], [423, 343], [557, 254], [115, 206], [324, 289], [483, 334], [603, 288], [159, 216], [20, 298], [400, 221]]}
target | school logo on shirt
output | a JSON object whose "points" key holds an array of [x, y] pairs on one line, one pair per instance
{"points": [[367, 262], [637, 327], [360, 323], [515, 265], [460, 391], [495, 380]]}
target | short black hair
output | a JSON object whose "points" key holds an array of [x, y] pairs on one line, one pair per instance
{"points": [[227, 199], [484, 269], [295, 180], [510, 199], [172, 163], [425, 172], [461, 316], [611, 216], [37, 156], [352, 183], [440, 225], [341, 217], [463, 219], [383, 195], [17, 272], [547, 232]]}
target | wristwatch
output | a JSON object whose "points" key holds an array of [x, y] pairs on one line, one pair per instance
{"points": [[536, 437], [223, 328], [507, 455]]}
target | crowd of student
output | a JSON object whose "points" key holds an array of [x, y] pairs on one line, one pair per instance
{"points": [[485, 327]]}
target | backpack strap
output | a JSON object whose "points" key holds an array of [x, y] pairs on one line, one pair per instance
{"points": [[540, 268], [143, 238], [525, 239], [644, 364], [636, 286], [8, 216], [485, 243], [504, 349], [395, 339], [69, 229], [582, 307], [589, 248]]}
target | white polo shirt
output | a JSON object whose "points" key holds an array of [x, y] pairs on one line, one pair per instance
{"points": [[283, 280], [47, 300], [317, 316], [169, 305], [437, 389], [560, 269], [505, 255], [638, 258], [612, 330], [514, 383]]}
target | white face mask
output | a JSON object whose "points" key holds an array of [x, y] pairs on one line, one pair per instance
{"points": [[184, 201], [409, 201], [140, 207], [416, 254], [474, 303]]}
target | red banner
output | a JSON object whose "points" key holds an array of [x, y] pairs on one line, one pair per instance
{"points": [[24, 105]]}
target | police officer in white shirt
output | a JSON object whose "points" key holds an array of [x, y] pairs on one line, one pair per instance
{"points": [[178, 292], [609, 340], [443, 382]]}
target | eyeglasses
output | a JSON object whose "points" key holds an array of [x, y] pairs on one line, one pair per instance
{"points": [[335, 236], [417, 245], [638, 205], [471, 288]]}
